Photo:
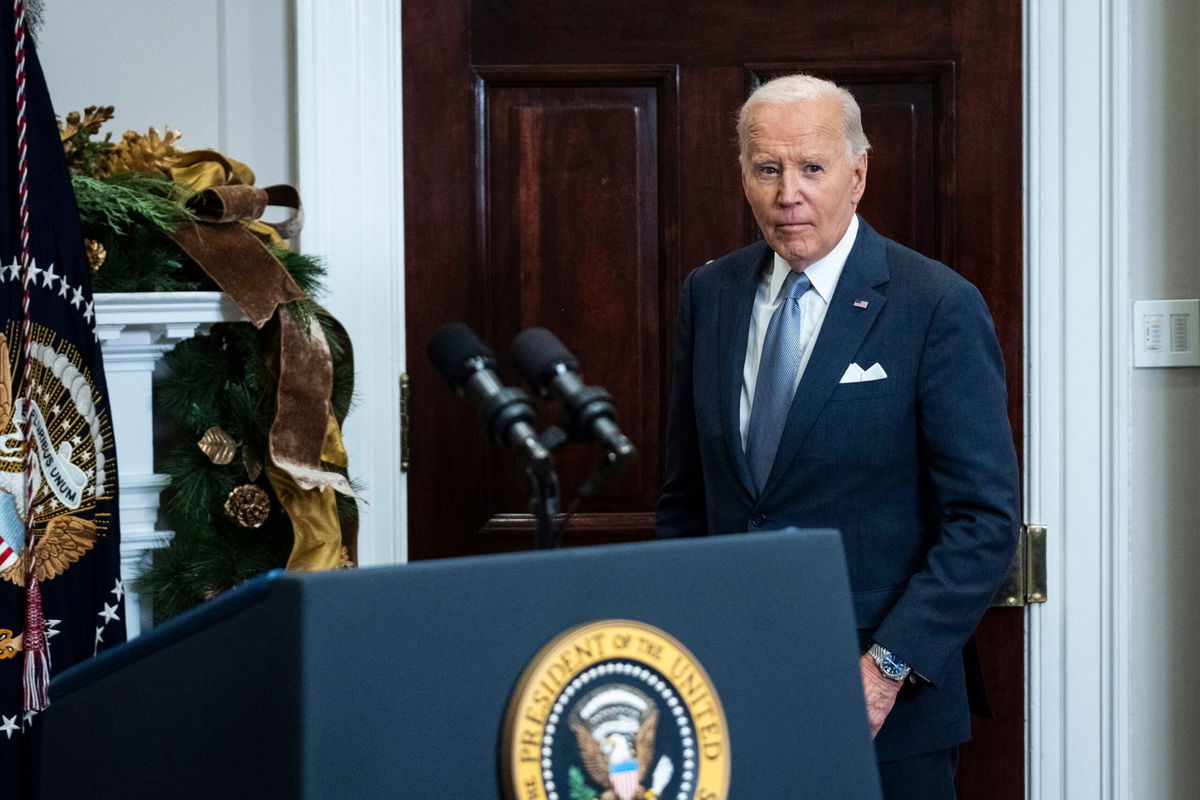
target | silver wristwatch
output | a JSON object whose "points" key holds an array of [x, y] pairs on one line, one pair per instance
{"points": [[891, 665]]}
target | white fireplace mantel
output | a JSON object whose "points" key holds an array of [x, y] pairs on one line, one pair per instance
{"points": [[135, 330]]}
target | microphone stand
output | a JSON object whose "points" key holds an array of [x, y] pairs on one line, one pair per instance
{"points": [[543, 502], [543, 494], [544, 489]]}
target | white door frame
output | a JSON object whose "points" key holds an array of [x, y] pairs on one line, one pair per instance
{"points": [[348, 95], [1077, 445], [1076, 175]]}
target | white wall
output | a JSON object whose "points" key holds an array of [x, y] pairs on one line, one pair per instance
{"points": [[220, 71], [1164, 534]]}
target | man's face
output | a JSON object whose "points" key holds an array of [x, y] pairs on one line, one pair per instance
{"points": [[799, 184]]}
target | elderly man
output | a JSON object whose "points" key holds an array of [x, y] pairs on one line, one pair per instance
{"points": [[829, 377]]}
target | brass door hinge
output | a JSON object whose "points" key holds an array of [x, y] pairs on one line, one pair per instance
{"points": [[1026, 579], [404, 412]]}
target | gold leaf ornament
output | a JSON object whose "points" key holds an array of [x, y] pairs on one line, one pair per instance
{"points": [[218, 445]]}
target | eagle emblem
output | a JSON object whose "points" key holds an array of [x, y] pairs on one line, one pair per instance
{"points": [[70, 440], [609, 710], [64, 541], [615, 726]]}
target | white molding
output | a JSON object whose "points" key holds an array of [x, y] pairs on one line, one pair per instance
{"points": [[170, 315], [351, 176], [1077, 362], [135, 330]]}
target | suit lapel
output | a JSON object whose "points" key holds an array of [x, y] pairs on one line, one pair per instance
{"points": [[737, 302], [842, 333]]}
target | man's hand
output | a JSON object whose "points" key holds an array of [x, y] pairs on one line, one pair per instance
{"points": [[879, 691]]}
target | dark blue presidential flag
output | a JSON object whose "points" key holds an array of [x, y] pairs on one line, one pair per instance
{"points": [[61, 598]]}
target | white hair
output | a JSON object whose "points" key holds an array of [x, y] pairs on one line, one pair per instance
{"points": [[789, 89]]}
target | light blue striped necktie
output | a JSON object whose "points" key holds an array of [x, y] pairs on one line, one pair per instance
{"points": [[775, 385]]}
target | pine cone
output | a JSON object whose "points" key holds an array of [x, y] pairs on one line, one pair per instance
{"points": [[95, 254], [149, 153], [248, 505]]}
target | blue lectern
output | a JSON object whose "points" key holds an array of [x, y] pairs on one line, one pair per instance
{"points": [[464, 678]]}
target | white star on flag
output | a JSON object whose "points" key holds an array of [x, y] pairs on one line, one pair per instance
{"points": [[109, 613], [10, 725], [118, 590], [49, 277]]}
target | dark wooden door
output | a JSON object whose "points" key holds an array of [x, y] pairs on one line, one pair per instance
{"points": [[567, 162]]}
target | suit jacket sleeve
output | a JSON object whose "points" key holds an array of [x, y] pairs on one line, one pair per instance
{"points": [[970, 471], [681, 507]]}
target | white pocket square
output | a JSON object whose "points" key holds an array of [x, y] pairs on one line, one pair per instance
{"points": [[856, 374]]}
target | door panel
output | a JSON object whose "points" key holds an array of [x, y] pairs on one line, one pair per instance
{"points": [[569, 161], [572, 241]]}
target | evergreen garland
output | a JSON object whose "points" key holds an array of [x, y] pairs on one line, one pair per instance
{"points": [[224, 379], [116, 204], [213, 380], [129, 206], [132, 214]]}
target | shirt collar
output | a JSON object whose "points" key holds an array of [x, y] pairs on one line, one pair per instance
{"points": [[824, 273]]}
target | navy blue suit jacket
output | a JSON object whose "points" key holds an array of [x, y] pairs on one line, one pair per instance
{"points": [[916, 470]]}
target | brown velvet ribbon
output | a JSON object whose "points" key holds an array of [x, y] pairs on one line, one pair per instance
{"points": [[237, 260], [303, 435], [304, 432], [199, 170], [302, 410]]}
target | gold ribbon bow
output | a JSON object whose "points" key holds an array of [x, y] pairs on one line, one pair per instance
{"points": [[199, 170]]}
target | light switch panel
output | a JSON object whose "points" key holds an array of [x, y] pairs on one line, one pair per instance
{"points": [[1166, 333]]}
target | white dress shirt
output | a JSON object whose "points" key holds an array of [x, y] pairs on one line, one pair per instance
{"points": [[824, 276]]}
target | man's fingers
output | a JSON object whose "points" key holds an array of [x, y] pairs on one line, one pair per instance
{"points": [[879, 693]]}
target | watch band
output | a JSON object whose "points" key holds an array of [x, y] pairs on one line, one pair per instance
{"points": [[890, 665]]}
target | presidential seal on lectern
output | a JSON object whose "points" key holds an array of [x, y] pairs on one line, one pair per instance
{"points": [[615, 710]]}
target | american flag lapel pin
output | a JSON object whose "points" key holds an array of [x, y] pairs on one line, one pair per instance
{"points": [[860, 304]]}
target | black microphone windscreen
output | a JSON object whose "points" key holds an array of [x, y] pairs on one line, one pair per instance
{"points": [[536, 351], [452, 347]]}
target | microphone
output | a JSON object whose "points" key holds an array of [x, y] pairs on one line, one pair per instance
{"points": [[469, 367], [589, 414]]}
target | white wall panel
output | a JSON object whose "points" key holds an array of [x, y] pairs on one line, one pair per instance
{"points": [[1164, 534], [220, 71]]}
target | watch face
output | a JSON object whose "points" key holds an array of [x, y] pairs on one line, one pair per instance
{"points": [[892, 665]]}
